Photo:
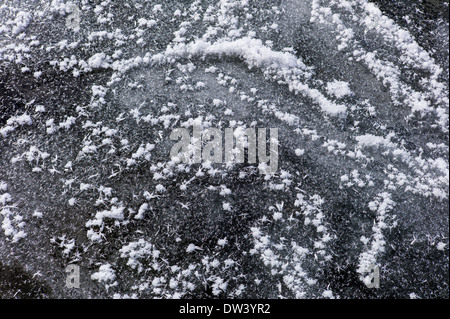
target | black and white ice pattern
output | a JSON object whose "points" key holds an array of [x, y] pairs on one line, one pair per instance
{"points": [[358, 91]]}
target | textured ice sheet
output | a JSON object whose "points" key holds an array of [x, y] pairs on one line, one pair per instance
{"points": [[358, 94]]}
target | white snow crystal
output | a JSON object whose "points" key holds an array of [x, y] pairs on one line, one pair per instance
{"points": [[22, 20], [338, 89], [222, 242], [104, 274], [328, 294], [98, 60], [191, 248]]}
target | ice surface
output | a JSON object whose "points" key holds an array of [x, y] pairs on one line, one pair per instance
{"points": [[357, 89]]}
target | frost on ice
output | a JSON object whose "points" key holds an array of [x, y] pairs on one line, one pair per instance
{"points": [[357, 89]]}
